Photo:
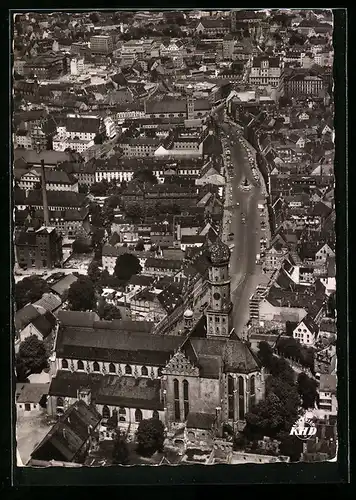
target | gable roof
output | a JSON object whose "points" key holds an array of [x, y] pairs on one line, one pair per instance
{"points": [[116, 341], [68, 436], [25, 316]]}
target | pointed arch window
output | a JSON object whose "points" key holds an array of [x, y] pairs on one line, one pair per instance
{"points": [[106, 412], [80, 365], [241, 398], [96, 367], [252, 391], [155, 414], [64, 364], [144, 371], [159, 372], [186, 398], [230, 396], [60, 402], [122, 415], [112, 368], [128, 370], [138, 415], [176, 400]]}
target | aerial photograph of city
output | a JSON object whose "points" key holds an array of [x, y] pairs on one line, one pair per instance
{"points": [[174, 274]]}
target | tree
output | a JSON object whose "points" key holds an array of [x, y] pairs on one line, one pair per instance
{"points": [[29, 290], [297, 39], [113, 201], [99, 188], [94, 17], [290, 446], [81, 295], [277, 413], [145, 175], [134, 210], [307, 388], [140, 246], [126, 266], [83, 188], [281, 369], [32, 357], [265, 353], [81, 246], [120, 454], [107, 311], [98, 139], [150, 436], [94, 272]]}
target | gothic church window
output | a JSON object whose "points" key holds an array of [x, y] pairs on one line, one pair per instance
{"points": [[176, 400], [122, 415], [112, 368], [80, 365], [106, 412], [138, 415], [241, 398], [186, 398], [64, 364], [230, 396], [96, 367], [144, 371], [155, 414], [252, 391], [128, 370]]}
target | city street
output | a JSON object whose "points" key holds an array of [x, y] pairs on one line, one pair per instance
{"points": [[243, 269]]}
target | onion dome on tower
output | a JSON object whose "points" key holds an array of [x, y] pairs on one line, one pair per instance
{"points": [[219, 253], [188, 319]]}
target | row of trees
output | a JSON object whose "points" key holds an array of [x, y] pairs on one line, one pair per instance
{"points": [[291, 348]]}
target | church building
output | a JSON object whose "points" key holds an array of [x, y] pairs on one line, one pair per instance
{"points": [[124, 367]]}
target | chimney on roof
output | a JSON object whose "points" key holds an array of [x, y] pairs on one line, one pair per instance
{"points": [[44, 195]]}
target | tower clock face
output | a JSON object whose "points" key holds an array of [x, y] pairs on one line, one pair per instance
{"points": [[216, 296]]}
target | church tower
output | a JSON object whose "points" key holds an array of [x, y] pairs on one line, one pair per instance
{"points": [[190, 104], [219, 321]]}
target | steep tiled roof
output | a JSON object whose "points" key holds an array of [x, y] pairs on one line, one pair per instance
{"points": [[25, 316], [120, 343], [68, 436]]}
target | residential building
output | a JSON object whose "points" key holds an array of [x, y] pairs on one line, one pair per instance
{"points": [[41, 248], [327, 401], [306, 331], [301, 84], [46, 66], [76, 66], [101, 44], [71, 437], [266, 71], [31, 399]]}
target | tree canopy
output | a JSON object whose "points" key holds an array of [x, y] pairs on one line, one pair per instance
{"points": [[29, 290], [99, 188], [31, 358], [126, 266], [145, 175], [94, 272], [108, 311], [120, 453], [81, 245], [81, 295], [150, 436], [307, 388]]}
